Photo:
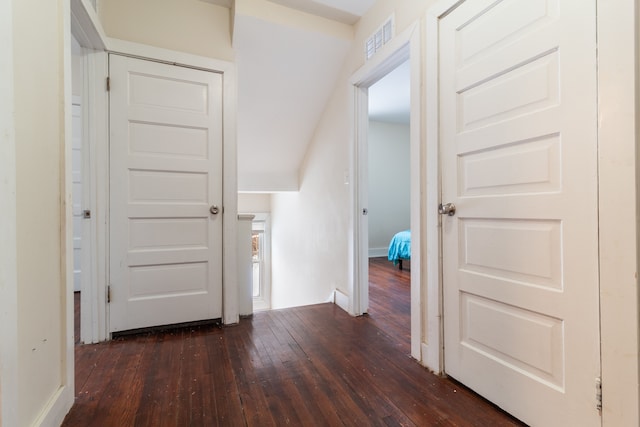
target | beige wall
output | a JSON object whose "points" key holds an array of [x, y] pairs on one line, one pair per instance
{"points": [[191, 26], [39, 135]]}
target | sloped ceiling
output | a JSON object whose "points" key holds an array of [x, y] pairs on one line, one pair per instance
{"points": [[286, 74]]}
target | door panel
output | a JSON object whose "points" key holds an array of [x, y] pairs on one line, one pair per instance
{"points": [[519, 161], [166, 171]]}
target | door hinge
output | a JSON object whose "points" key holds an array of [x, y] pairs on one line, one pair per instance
{"points": [[108, 84], [108, 294], [599, 394]]}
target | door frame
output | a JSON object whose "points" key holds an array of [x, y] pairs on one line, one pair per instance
{"points": [[230, 313], [88, 31], [8, 244], [404, 46], [618, 161]]}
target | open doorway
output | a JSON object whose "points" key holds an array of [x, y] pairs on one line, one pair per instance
{"points": [[389, 202], [403, 49]]}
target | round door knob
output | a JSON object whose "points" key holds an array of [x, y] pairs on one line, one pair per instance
{"points": [[214, 210], [447, 209]]}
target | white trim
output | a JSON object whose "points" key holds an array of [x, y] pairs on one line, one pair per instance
{"points": [[245, 265], [434, 355], [341, 300], [85, 25], [229, 192], [152, 53], [418, 206], [61, 403], [87, 29], [8, 240], [94, 313], [56, 408], [406, 45], [264, 301], [618, 164]]}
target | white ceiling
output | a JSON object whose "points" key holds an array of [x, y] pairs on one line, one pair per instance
{"points": [[345, 11], [286, 75], [390, 97], [285, 78]]}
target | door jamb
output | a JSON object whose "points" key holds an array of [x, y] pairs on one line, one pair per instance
{"points": [[433, 350]]}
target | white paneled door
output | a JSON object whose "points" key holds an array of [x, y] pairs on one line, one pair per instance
{"points": [[519, 162], [165, 181]]}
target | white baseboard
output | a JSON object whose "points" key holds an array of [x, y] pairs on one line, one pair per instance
{"points": [[57, 408], [431, 365], [342, 300], [378, 252]]}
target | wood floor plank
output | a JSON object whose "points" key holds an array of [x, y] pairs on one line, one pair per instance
{"points": [[222, 385], [304, 366]]}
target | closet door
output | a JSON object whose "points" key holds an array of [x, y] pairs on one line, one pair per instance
{"points": [[165, 194]]}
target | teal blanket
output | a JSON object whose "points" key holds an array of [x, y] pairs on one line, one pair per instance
{"points": [[400, 246]]}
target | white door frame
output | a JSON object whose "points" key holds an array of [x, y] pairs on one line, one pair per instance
{"points": [[8, 243], [230, 310], [618, 55], [401, 48], [87, 29]]}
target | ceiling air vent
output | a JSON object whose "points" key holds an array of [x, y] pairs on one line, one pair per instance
{"points": [[380, 37]]}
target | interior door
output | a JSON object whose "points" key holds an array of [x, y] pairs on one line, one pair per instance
{"points": [[165, 194], [519, 163]]}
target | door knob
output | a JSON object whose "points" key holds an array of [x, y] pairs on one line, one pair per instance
{"points": [[447, 209], [214, 209]]}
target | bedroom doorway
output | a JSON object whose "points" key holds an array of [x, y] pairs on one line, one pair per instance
{"points": [[395, 61], [389, 202]]}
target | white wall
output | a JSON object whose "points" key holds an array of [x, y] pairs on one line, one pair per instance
{"points": [[311, 227], [254, 203], [389, 184]]}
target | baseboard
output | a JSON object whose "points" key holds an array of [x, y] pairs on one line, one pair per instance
{"points": [[431, 365], [342, 300], [378, 252], [57, 408]]}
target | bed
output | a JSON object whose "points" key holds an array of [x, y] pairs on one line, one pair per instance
{"points": [[400, 248]]}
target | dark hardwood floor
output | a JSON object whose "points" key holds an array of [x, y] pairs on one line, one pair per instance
{"points": [[305, 366], [390, 300]]}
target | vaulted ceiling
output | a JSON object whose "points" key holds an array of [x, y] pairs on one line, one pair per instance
{"points": [[288, 54], [285, 77]]}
